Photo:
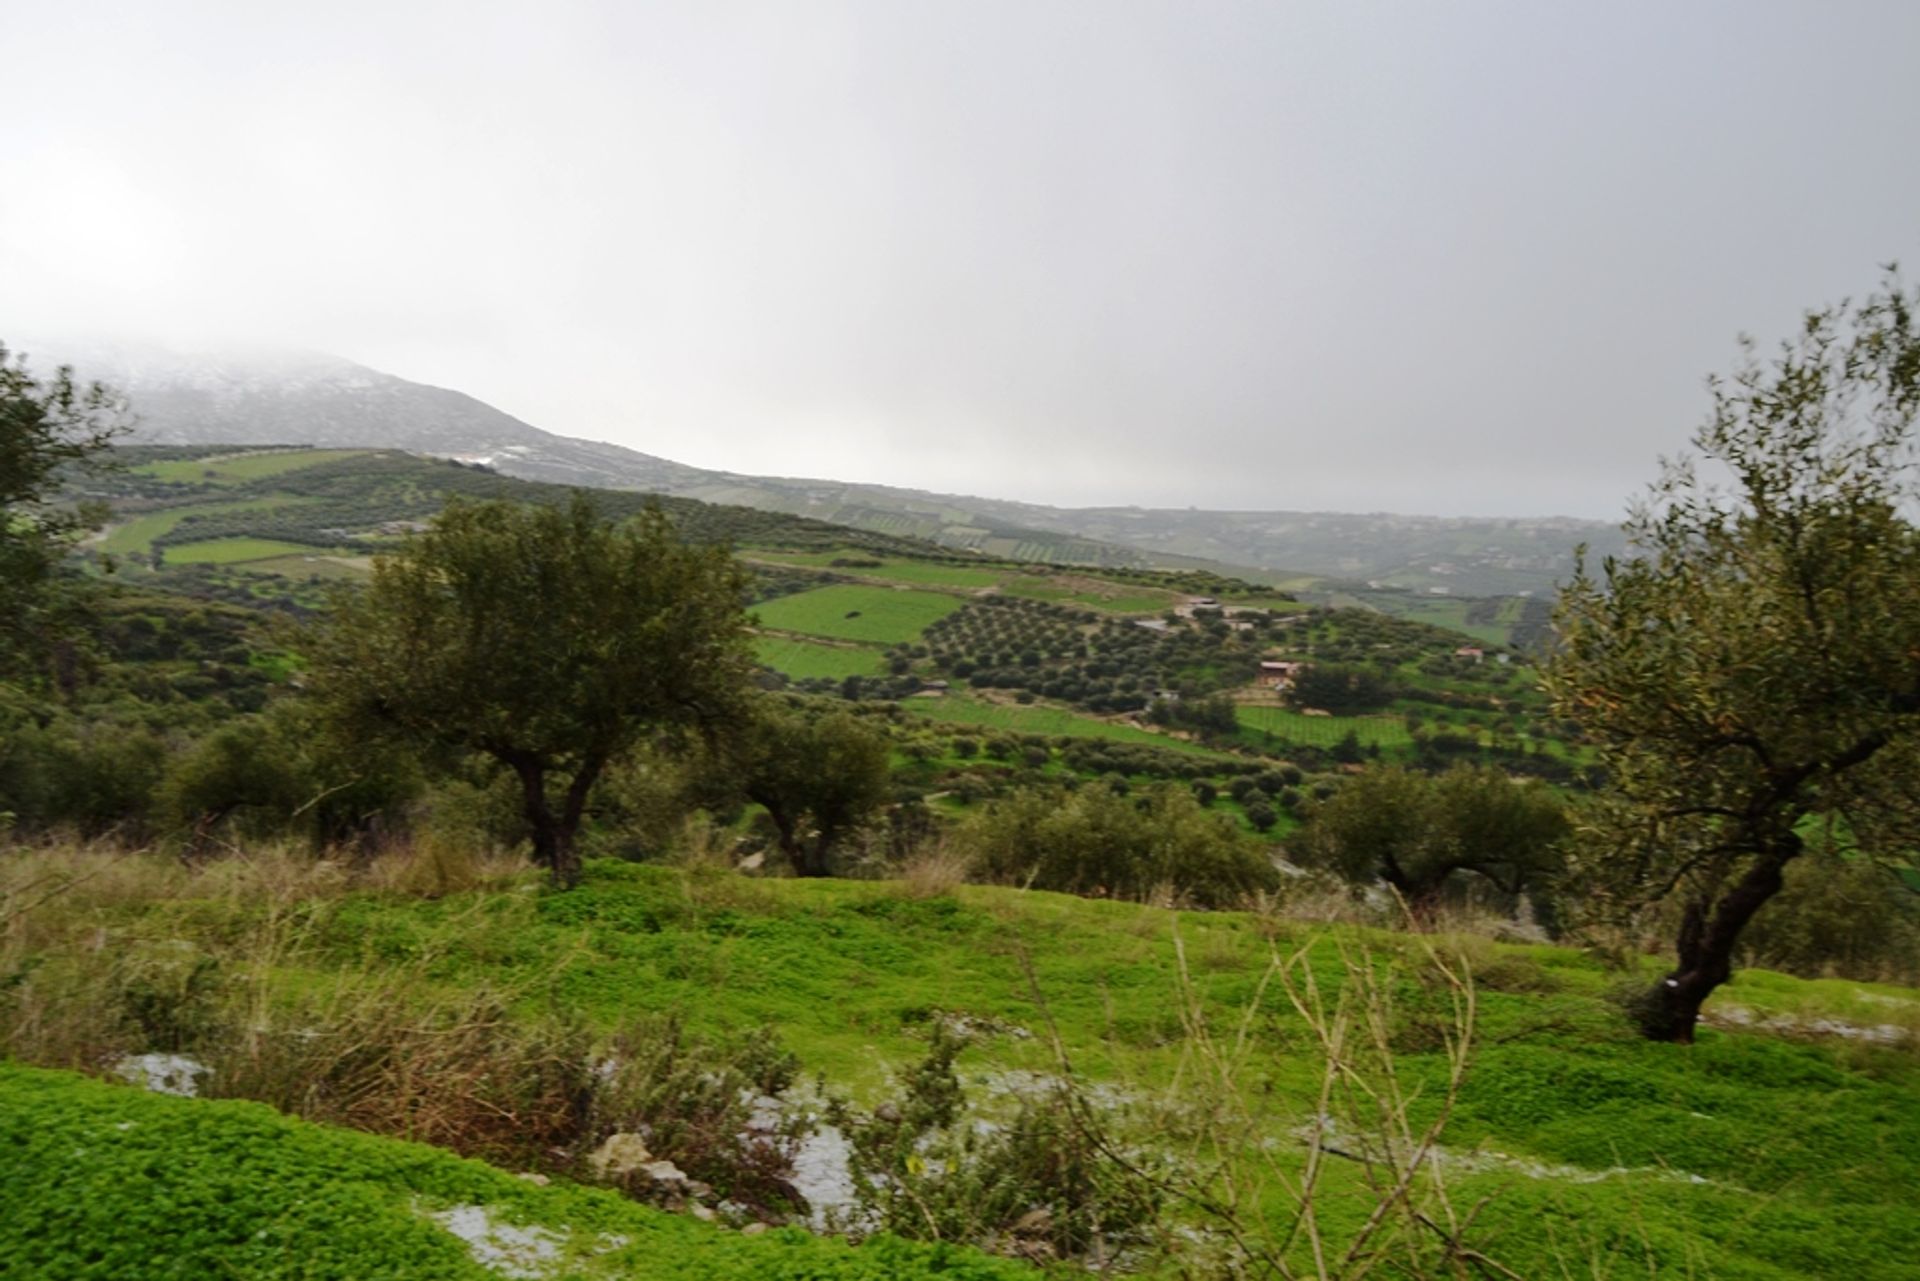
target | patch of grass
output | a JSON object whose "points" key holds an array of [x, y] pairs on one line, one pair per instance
{"points": [[1747, 1155], [804, 659], [846, 611], [110, 1183], [893, 569], [137, 534], [1289, 726], [312, 563], [1037, 718], [238, 469], [228, 551], [1113, 598]]}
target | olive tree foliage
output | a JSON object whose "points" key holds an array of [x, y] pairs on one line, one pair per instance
{"points": [[1095, 841], [46, 426], [545, 638], [1417, 833], [1752, 669], [820, 778]]}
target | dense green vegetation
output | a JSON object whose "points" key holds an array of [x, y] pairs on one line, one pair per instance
{"points": [[173, 1188], [308, 803], [1758, 1153]]}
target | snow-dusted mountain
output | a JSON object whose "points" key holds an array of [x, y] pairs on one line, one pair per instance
{"points": [[290, 398], [265, 397]]}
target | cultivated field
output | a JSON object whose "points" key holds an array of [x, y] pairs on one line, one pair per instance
{"points": [[228, 551], [1289, 726], [803, 660], [960, 710], [847, 611], [237, 469], [137, 534]]}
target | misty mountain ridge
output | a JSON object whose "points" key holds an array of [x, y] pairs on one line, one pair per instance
{"points": [[265, 396]]}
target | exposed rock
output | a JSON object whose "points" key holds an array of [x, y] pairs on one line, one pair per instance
{"points": [[620, 1154], [666, 1174], [163, 1073], [503, 1248]]}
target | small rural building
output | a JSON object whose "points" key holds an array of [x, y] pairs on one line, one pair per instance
{"points": [[1277, 674], [1470, 651]]}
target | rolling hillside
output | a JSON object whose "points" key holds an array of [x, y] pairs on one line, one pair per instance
{"points": [[324, 401]]}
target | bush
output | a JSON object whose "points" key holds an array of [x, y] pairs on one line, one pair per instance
{"points": [[1845, 917], [1097, 843]]}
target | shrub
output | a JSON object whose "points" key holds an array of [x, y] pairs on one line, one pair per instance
{"points": [[1095, 842]]}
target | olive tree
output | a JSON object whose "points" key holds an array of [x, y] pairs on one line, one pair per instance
{"points": [[1751, 669], [1416, 832], [46, 426], [545, 638], [819, 779]]}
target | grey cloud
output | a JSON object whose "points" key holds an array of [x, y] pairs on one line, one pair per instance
{"points": [[1438, 258]]}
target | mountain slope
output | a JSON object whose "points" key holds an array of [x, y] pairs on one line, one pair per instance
{"points": [[308, 398]]}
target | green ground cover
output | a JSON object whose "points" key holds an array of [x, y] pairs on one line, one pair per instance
{"points": [[109, 1183], [956, 709], [238, 469], [137, 534], [848, 611], [228, 551], [312, 563], [1289, 726], [891, 568], [1748, 1155], [807, 659], [1774, 1158], [1122, 599], [933, 574]]}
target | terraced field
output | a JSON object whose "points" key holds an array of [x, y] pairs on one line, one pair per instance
{"points": [[228, 551], [310, 564], [958, 709], [1289, 726], [1113, 598], [804, 660], [137, 534], [238, 469], [847, 611]]}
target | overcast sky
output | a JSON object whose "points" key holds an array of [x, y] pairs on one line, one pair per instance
{"points": [[1422, 257]]}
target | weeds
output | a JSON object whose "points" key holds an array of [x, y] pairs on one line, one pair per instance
{"points": [[384, 1047]]}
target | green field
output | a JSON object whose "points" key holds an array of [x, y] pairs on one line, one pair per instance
{"points": [[926, 573], [312, 563], [957, 709], [237, 469], [1289, 726], [847, 611], [137, 534], [228, 551], [807, 659], [1120, 599], [1582, 1150]]}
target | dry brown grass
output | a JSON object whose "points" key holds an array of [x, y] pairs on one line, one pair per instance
{"points": [[934, 869], [433, 866], [107, 953]]}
